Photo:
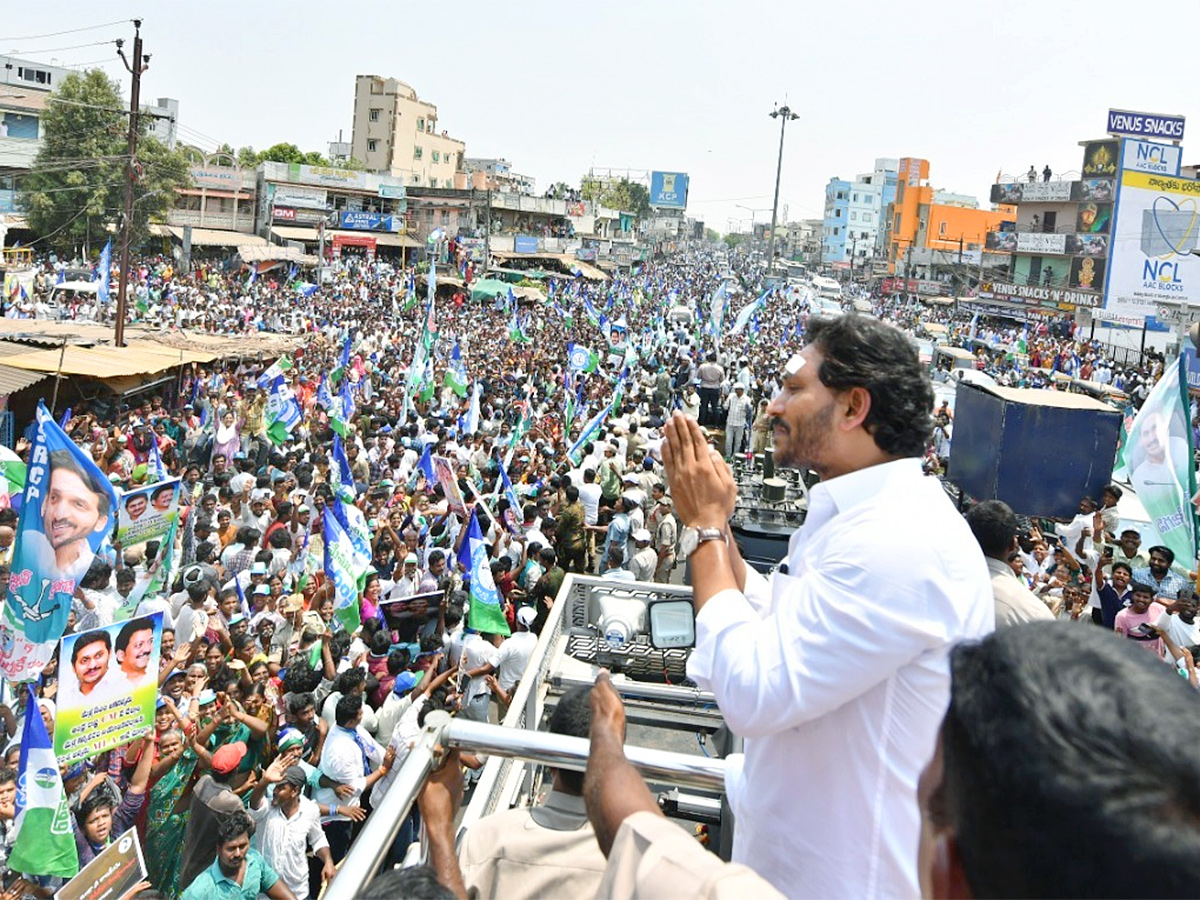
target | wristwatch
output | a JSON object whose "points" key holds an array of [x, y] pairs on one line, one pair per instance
{"points": [[691, 538]]}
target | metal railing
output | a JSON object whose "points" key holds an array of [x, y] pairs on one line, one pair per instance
{"points": [[441, 731]]}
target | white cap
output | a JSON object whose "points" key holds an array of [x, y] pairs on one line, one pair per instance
{"points": [[526, 615], [641, 535]]}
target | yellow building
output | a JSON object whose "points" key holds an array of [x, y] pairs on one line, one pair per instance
{"points": [[396, 132]]}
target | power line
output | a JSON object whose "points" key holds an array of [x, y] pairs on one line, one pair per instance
{"points": [[38, 37], [58, 49]]}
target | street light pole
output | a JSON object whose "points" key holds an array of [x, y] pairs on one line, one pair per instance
{"points": [[783, 113]]}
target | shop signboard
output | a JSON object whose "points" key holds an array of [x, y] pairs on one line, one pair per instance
{"points": [[1147, 156], [524, 243], [1142, 124]]}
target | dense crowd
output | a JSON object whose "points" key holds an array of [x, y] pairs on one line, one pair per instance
{"points": [[281, 720], [267, 702]]}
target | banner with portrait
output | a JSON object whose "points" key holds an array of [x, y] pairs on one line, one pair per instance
{"points": [[67, 510], [146, 514], [107, 687], [443, 472]]}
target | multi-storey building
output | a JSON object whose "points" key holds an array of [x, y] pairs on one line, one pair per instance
{"points": [[395, 132]]}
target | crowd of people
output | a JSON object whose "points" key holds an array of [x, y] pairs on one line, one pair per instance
{"points": [[267, 702], [282, 716]]}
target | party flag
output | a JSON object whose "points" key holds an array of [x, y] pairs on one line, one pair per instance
{"points": [[45, 843]]}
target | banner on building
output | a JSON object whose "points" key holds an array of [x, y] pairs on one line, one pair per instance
{"points": [[1146, 156], [668, 190], [107, 686], [1100, 158], [146, 514], [1152, 241]]}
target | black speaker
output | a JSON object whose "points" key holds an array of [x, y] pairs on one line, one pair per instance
{"points": [[1040, 451]]}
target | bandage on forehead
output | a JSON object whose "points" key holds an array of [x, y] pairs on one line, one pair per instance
{"points": [[794, 365]]}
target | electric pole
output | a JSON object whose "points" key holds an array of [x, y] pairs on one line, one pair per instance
{"points": [[784, 114], [136, 68]]}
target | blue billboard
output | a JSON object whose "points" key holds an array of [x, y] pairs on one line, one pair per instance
{"points": [[524, 243], [359, 220], [669, 190]]}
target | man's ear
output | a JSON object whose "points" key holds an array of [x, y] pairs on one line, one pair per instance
{"points": [[948, 878]]}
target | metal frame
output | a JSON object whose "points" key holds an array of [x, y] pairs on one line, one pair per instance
{"points": [[500, 742]]}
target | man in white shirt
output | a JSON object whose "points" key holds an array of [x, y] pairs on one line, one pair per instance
{"points": [[479, 659], [841, 665], [287, 825], [350, 757], [514, 654]]}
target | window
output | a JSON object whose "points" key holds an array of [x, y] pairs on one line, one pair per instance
{"points": [[373, 115], [445, 217], [941, 229], [420, 124], [856, 198], [836, 231], [437, 156], [866, 217], [450, 158], [841, 195], [416, 179], [837, 213], [372, 144], [418, 152], [853, 217]]}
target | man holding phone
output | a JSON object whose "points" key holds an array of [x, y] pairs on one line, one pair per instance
{"points": [[1135, 621], [839, 667]]}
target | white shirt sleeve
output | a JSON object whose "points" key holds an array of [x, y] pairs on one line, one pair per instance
{"points": [[343, 763], [830, 641]]}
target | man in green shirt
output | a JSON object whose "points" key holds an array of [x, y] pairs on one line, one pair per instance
{"points": [[238, 872]]}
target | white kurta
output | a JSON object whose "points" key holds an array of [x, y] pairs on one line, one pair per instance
{"points": [[837, 676]]}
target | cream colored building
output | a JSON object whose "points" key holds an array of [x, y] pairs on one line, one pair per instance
{"points": [[396, 132]]}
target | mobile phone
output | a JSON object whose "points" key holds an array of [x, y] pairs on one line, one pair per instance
{"points": [[1146, 630]]}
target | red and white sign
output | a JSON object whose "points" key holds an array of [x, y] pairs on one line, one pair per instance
{"points": [[285, 214]]}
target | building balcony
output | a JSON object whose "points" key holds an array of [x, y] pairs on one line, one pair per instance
{"points": [[18, 153]]}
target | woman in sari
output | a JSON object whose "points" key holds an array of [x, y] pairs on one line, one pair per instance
{"points": [[168, 806]]}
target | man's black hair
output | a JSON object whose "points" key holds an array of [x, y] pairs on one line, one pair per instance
{"points": [[129, 629], [572, 716], [92, 802], [92, 637], [1123, 565], [347, 709], [994, 525], [860, 351], [233, 826], [412, 883], [1036, 744], [1165, 551], [300, 701]]}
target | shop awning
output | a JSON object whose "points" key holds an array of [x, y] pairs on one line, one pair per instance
{"points": [[209, 237], [13, 379], [295, 233], [279, 254]]}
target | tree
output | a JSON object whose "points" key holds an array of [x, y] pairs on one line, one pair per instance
{"points": [[247, 158], [74, 195], [627, 196], [732, 240], [711, 235]]}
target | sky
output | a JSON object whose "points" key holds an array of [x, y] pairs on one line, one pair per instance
{"points": [[559, 87]]}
